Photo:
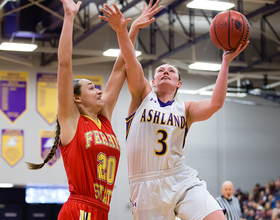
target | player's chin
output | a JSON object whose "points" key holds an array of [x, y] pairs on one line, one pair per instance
{"points": [[100, 102], [99, 107]]}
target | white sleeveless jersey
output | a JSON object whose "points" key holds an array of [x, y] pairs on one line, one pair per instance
{"points": [[155, 136]]}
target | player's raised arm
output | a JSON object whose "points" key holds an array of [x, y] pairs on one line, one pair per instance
{"points": [[67, 112], [136, 81], [118, 74], [202, 110]]}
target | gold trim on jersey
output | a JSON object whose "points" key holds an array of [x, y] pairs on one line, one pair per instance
{"points": [[98, 123], [128, 123]]}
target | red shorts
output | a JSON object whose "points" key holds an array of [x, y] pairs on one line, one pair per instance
{"points": [[83, 208]]}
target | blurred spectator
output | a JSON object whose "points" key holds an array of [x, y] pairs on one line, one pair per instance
{"points": [[256, 191], [250, 201], [246, 213], [267, 205], [241, 198], [277, 189], [262, 198], [272, 186], [266, 192], [272, 200], [251, 215], [262, 204], [268, 214], [259, 213], [276, 211]]}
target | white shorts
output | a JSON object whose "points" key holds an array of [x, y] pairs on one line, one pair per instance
{"points": [[174, 192]]}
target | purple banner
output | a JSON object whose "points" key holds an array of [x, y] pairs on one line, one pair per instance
{"points": [[13, 87]]}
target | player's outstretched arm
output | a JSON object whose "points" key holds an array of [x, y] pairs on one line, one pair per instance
{"points": [[118, 74], [133, 67], [202, 110], [67, 111], [143, 21]]}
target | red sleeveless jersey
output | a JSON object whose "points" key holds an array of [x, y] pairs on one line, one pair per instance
{"points": [[91, 160]]}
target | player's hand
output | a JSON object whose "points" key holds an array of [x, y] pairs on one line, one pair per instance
{"points": [[70, 7], [146, 17], [230, 55], [115, 18]]}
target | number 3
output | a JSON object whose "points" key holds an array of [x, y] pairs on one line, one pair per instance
{"points": [[162, 142]]}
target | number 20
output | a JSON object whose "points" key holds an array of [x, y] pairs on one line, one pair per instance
{"points": [[106, 169], [162, 142]]}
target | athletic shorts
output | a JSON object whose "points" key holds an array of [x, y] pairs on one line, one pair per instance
{"points": [[80, 207], [171, 193]]}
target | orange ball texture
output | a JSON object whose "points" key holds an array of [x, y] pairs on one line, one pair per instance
{"points": [[229, 29]]}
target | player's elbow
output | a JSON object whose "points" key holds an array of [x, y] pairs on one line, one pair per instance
{"points": [[216, 106], [132, 66], [64, 63]]}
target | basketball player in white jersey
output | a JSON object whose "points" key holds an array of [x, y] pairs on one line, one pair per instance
{"points": [[162, 187]]}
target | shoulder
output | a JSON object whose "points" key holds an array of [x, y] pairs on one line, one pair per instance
{"points": [[189, 121]]}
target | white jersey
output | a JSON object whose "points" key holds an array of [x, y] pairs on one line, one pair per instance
{"points": [[156, 135]]}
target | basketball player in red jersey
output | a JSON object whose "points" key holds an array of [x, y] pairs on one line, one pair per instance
{"points": [[88, 145]]}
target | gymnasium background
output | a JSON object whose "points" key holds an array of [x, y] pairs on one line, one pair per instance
{"points": [[239, 143]]}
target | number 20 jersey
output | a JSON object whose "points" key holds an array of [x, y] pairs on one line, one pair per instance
{"points": [[155, 135], [91, 160]]}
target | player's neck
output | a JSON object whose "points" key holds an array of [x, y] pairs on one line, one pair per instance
{"points": [[164, 97]]}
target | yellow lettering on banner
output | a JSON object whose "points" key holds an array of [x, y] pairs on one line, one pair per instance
{"points": [[96, 80], [47, 96], [17, 84]]}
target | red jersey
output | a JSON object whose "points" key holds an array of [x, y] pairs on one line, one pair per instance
{"points": [[91, 161]]}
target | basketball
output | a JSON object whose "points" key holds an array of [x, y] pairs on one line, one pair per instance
{"points": [[229, 29]]}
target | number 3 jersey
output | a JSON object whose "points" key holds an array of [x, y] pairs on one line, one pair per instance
{"points": [[155, 135], [91, 160]]}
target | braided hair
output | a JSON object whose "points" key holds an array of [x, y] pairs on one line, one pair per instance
{"points": [[33, 166]]}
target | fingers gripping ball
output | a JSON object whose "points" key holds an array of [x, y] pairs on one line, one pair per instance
{"points": [[229, 29]]}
